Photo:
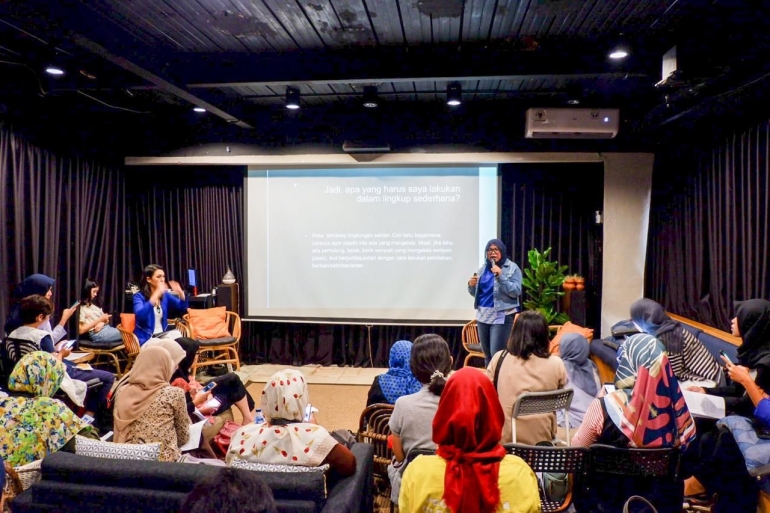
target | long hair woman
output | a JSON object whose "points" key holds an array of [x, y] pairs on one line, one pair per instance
{"points": [[152, 304]]}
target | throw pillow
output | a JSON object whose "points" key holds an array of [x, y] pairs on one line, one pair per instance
{"points": [[272, 467], [569, 327], [209, 323], [98, 449], [128, 321]]}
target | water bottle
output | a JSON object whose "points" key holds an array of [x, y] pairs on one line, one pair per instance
{"points": [[258, 417]]}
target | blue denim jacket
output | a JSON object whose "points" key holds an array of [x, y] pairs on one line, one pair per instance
{"points": [[507, 287]]}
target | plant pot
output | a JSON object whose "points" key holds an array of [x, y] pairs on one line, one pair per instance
{"points": [[580, 284], [569, 285]]}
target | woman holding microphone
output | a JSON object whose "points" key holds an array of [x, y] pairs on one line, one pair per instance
{"points": [[496, 287]]}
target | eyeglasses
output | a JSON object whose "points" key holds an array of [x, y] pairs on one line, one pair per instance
{"points": [[493, 250]]}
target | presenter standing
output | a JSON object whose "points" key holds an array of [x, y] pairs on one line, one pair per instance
{"points": [[496, 287]]}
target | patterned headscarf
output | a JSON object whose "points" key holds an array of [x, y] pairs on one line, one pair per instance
{"points": [[399, 379], [284, 398], [467, 429], [648, 405], [35, 427], [37, 373]]}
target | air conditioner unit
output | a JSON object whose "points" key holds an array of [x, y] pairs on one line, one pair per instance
{"points": [[572, 123]]}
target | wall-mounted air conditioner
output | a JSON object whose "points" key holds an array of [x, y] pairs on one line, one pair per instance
{"points": [[572, 123]]}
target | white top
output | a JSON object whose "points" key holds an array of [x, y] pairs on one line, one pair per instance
{"points": [[158, 319]]}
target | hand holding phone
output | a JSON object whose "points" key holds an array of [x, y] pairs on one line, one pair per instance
{"points": [[728, 362], [73, 305], [209, 387], [87, 419]]}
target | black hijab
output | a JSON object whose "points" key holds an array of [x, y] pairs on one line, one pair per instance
{"points": [[754, 324], [190, 347], [652, 319]]}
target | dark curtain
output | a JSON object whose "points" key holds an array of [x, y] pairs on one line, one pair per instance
{"points": [[553, 205], [63, 217], [710, 227]]}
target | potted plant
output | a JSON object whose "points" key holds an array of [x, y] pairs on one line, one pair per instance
{"points": [[542, 281], [580, 282], [569, 282]]}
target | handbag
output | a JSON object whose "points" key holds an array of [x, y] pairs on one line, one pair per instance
{"points": [[225, 435], [638, 504]]}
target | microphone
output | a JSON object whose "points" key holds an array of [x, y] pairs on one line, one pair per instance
{"points": [[491, 262]]}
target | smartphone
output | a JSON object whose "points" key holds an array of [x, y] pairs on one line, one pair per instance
{"points": [[609, 388], [723, 355], [76, 303], [88, 419], [208, 387], [308, 412], [68, 344]]}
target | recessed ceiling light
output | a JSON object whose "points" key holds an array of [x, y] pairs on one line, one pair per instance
{"points": [[53, 70], [573, 101], [618, 54], [199, 109]]}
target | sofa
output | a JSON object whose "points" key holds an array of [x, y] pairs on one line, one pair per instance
{"points": [[77, 484]]}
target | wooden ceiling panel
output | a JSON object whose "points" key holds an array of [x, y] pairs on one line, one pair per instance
{"points": [[417, 26], [386, 19], [354, 25], [477, 19], [294, 22]]}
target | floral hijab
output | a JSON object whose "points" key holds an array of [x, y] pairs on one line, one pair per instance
{"points": [[284, 438], [648, 405], [37, 426], [399, 379]]}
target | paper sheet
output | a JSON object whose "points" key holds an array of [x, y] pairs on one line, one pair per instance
{"points": [[704, 405], [76, 356], [195, 436]]}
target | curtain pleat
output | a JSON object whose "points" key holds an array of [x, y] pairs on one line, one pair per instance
{"points": [[710, 227]]}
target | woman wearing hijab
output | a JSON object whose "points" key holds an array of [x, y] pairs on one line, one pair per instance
{"points": [[286, 438], [646, 410], [148, 409], [690, 360], [42, 285], [716, 461], [33, 424], [471, 472], [496, 287], [582, 377], [398, 381]]}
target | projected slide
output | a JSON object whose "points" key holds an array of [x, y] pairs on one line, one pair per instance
{"points": [[377, 245]]}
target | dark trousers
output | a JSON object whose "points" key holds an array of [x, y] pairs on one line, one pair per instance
{"points": [[94, 401], [230, 390]]}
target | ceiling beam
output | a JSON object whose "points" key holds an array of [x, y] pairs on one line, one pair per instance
{"points": [[398, 64]]}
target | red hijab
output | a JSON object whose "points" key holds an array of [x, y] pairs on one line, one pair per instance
{"points": [[467, 429]]}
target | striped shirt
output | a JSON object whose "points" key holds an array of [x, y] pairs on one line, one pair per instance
{"points": [[694, 363]]}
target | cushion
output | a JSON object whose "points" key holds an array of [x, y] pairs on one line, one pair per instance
{"points": [[128, 321], [210, 323], [475, 348], [274, 467], [98, 449], [569, 327], [216, 341], [89, 344]]}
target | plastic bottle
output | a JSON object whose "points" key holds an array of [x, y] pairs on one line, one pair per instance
{"points": [[258, 417]]}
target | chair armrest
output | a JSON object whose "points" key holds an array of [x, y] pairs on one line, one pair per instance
{"points": [[355, 493]]}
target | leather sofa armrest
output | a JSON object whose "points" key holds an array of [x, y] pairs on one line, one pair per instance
{"points": [[355, 493]]}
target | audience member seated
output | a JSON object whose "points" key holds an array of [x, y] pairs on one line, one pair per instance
{"points": [[148, 408], [2, 486], [411, 423], [527, 366], [42, 285], [582, 377], [752, 324], [646, 410], [398, 381], [93, 322], [690, 360], [230, 491], [229, 389], [152, 303], [286, 438], [471, 471], [33, 423], [34, 311], [715, 460]]}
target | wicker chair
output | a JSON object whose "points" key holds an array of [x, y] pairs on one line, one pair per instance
{"points": [[534, 403], [470, 339], [18, 479], [568, 460], [374, 428], [112, 354], [131, 345], [215, 351]]}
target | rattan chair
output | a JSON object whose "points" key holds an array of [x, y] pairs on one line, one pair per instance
{"points": [[470, 339], [131, 345], [111, 354], [374, 428], [568, 460], [534, 403], [215, 351]]}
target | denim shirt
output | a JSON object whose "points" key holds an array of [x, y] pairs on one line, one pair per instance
{"points": [[507, 288]]}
